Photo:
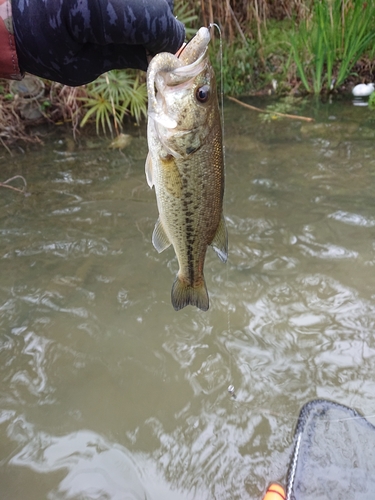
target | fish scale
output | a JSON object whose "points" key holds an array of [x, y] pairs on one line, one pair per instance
{"points": [[185, 164]]}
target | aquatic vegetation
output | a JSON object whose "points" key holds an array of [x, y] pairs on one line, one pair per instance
{"points": [[371, 101], [280, 109], [326, 45], [285, 107]]}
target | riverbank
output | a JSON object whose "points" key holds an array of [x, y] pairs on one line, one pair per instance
{"points": [[296, 49]]}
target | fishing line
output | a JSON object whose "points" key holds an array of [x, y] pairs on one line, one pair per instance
{"points": [[231, 388], [214, 25]]}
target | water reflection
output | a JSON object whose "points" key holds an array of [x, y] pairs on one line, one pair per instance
{"points": [[106, 392], [92, 467]]}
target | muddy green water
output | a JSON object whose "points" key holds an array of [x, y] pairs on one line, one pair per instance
{"points": [[105, 391]]}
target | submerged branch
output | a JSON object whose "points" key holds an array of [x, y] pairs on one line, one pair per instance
{"points": [[259, 110], [6, 147], [5, 184]]}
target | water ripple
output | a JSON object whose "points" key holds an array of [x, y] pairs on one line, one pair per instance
{"points": [[65, 248], [92, 467], [107, 392], [353, 219]]}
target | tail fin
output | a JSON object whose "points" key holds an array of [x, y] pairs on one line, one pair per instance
{"points": [[184, 294]]}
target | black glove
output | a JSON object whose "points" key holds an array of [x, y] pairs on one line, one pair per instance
{"points": [[75, 41]]}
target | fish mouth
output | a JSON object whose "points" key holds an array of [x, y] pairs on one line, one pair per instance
{"points": [[195, 47], [193, 57], [179, 79], [176, 73], [187, 73]]}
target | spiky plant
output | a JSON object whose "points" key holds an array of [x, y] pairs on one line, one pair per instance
{"points": [[112, 96]]}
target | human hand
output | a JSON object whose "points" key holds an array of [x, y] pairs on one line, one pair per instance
{"points": [[75, 41]]}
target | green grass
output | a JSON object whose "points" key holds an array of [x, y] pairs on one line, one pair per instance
{"points": [[236, 67], [326, 46]]}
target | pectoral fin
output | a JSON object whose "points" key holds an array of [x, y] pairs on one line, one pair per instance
{"points": [[220, 241], [148, 169], [160, 238]]}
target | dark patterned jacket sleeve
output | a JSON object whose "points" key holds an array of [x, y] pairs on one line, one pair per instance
{"points": [[75, 41]]}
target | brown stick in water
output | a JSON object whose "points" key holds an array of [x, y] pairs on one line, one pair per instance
{"points": [[5, 184], [248, 106]]}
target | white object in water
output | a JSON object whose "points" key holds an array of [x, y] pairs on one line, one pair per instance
{"points": [[363, 89]]}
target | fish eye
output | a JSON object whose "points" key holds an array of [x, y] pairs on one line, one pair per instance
{"points": [[203, 93]]}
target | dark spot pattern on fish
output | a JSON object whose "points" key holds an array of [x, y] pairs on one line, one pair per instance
{"points": [[191, 272], [190, 150], [186, 204], [189, 186]]}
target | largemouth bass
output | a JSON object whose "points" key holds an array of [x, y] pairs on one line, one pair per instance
{"points": [[185, 164]]}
